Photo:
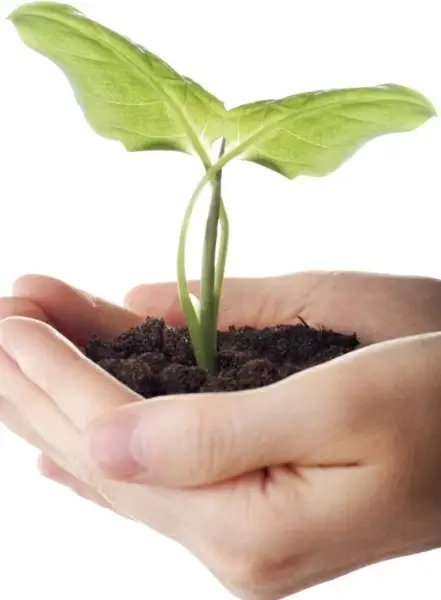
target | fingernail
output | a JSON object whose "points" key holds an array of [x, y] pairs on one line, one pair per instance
{"points": [[113, 446]]}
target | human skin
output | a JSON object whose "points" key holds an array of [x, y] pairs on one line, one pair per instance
{"points": [[276, 489]]}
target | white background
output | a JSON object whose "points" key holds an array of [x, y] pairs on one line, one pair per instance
{"points": [[73, 205]]}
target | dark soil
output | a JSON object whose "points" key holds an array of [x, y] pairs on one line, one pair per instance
{"points": [[155, 360]]}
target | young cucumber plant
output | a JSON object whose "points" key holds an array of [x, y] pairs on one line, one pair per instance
{"points": [[130, 95]]}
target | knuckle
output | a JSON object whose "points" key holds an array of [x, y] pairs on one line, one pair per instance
{"points": [[209, 440], [248, 571], [195, 433], [191, 441], [429, 297]]}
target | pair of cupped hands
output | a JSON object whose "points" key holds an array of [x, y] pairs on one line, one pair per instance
{"points": [[275, 489]]}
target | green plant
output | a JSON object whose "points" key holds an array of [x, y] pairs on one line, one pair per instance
{"points": [[130, 95]]}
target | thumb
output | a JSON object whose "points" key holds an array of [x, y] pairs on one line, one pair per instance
{"points": [[338, 414], [195, 440], [184, 441]]}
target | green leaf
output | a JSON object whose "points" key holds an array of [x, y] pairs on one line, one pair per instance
{"points": [[126, 92], [314, 133]]}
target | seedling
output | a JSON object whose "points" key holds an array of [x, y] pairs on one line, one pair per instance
{"points": [[130, 95]]}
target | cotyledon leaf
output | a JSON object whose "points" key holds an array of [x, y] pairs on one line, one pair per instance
{"points": [[314, 133], [126, 92]]}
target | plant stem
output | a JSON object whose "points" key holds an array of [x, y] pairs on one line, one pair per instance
{"points": [[191, 316], [222, 255], [209, 303]]}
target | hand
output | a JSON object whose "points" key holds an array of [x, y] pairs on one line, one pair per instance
{"points": [[77, 316], [292, 526], [385, 308]]}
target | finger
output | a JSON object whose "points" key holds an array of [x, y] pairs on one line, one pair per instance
{"points": [[150, 506], [41, 376], [20, 426], [56, 371], [25, 403], [253, 302], [376, 307], [61, 393], [15, 307], [17, 423], [74, 313], [342, 413], [53, 471]]}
